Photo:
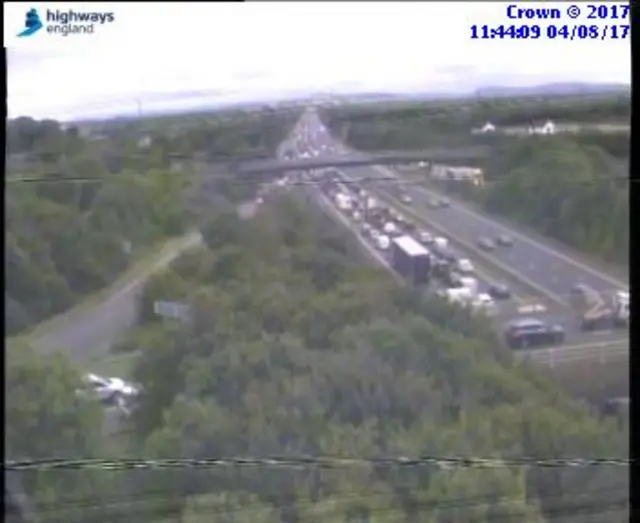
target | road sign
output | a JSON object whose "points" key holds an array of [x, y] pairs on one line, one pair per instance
{"points": [[171, 309]]}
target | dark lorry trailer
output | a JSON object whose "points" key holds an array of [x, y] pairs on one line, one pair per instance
{"points": [[411, 260]]}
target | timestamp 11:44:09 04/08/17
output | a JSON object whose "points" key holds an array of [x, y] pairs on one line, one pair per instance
{"points": [[552, 32]]}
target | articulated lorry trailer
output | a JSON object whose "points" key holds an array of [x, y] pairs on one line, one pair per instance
{"points": [[597, 311], [411, 260]]}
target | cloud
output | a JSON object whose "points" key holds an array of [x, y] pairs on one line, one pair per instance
{"points": [[261, 49]]}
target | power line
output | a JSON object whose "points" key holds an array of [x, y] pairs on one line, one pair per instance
{"points": [[243, 179], [327, 462]]}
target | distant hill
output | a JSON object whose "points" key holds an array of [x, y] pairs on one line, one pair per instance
{"points": [[559, 89]]}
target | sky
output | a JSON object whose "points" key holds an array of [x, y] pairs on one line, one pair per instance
{"points": [[234, 52]]}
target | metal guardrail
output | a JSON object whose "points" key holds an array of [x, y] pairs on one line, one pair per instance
{"points": [[602, 352]]}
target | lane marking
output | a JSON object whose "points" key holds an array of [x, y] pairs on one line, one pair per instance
{"points": [[521, 236], [482, 273], [488, 259]]}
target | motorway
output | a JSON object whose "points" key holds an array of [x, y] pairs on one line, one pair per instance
{"points": [[544, 272], [603, 351]]}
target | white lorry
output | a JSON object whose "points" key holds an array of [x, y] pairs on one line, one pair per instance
{"points": [[383, 243], [343, 201]]}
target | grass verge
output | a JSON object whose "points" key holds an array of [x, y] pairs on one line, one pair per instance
{"points": [[143, 265]]}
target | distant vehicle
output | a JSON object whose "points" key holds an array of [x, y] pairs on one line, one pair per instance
{"points": [[409, 227], [469, 283], [486, 244], [599, 312], [390, 228], [484, 302], [461, 295], [504, 241], [108, 389], [406, 199], [449, 256], [434, 203], [465, 266], [445, 203], [411, 260], [499, 292], [441, 242], [425, 237], [531, 333], [383, 242]]}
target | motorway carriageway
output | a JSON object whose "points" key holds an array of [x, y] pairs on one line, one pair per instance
{"points": [[544, 273], [602, 350], [557, 310], [506, 309]]}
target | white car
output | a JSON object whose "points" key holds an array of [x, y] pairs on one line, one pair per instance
{"points": [[109, 389], [425, 237], [383, 242], [485, 303], [390, 228], [465, 266]]}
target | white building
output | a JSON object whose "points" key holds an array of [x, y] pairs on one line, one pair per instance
{"points": [[144, 142], [488, 128], [548, 128], [485, 129]]}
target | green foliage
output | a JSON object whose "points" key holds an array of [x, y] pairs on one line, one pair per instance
{"points": [[293, 350], [66, 239], [573, 187], [81, 203], [567, 191]]}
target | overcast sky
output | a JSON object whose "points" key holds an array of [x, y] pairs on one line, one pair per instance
{"points": [[244, 51]]}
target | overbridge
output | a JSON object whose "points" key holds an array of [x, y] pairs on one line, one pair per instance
{"points": [[455, 155]]}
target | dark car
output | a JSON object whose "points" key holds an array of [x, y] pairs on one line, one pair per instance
{"points": [[499, 292], [445, 203], [486, 244], [504, 241]]}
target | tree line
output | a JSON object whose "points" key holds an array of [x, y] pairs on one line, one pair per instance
{"points": [[573, 187], [90, 202]]}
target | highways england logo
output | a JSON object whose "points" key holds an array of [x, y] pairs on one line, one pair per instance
{"points": [[64, 23]]}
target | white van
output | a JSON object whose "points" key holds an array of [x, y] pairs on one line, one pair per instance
{"points": [[465, 266], [383, 242]]}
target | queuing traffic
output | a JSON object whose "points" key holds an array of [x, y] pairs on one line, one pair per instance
{"points": [[426, 258]]}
